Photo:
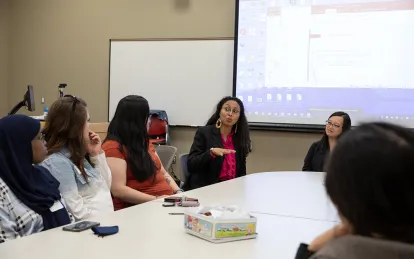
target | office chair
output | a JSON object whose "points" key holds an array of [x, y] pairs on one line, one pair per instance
{"points": [[167, 155], [184, 171], [158, 130]]}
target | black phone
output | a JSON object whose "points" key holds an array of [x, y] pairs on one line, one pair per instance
{"points": [[178, 199], [81, 226]]}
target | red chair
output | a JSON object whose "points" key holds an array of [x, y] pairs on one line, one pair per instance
{"points": [[158, 128]]}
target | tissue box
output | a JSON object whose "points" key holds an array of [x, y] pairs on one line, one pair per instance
{"points": [[219, 230]]}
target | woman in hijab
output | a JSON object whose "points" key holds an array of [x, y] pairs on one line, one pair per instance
{"points": [[30, 200]]}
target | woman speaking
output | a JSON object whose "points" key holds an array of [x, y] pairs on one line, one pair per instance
{"points": [[220, 148]]}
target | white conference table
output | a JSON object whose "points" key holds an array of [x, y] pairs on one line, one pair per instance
{"points": [[293, 194], [148, 231]]}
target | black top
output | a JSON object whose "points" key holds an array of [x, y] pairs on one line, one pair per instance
{"points": [[303, 252], [202, 167], [316, 157]]}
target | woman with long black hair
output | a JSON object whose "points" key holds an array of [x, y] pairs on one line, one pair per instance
{"points": [[137, 173], [220, 148]]}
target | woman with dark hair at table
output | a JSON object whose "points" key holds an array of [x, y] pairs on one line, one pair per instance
{"points": [[30, 200], [337, 124], [370, 180], [220, 148], [138, 175]]}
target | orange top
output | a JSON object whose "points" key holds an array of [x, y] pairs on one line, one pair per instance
{"points": [[157, 188]]}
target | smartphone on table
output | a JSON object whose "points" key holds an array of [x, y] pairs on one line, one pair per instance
{"points": [[81, 226], [174, 199]]}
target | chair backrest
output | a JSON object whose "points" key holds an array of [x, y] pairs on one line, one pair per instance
{"points": [[158, 128], [166, 154], [184, 170]]}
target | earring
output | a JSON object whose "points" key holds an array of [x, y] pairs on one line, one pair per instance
{"points": [[218, 124], [235, 130]]}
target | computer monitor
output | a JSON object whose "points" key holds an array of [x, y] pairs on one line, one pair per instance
{"points": [[28, 101]]}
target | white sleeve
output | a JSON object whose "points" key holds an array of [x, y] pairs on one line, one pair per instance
{"points": [[63, 171], [100, 163], [71, 217]]}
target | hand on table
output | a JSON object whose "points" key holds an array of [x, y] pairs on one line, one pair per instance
{"points": [[161, 197], [336, 232], [221, 151]]}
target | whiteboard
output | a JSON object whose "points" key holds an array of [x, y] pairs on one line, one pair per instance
{"points": [[186, 78]]}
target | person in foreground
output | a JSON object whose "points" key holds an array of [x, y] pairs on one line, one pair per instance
{"points": [[370, 180], [138, 175], [76, 159], [337, 124], [220, 148], [30, 200]]}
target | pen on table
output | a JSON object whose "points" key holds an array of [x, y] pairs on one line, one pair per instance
{"points": [[173, 213]]}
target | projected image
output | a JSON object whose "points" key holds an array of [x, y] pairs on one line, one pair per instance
{"points": [[300, 60]]}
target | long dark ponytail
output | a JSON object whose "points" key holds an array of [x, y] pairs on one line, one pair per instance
{"points": [[129, 128]]}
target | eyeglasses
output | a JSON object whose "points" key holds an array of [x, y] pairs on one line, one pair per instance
{"points": [[228, 110], [75, 100], [332, 124]]}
